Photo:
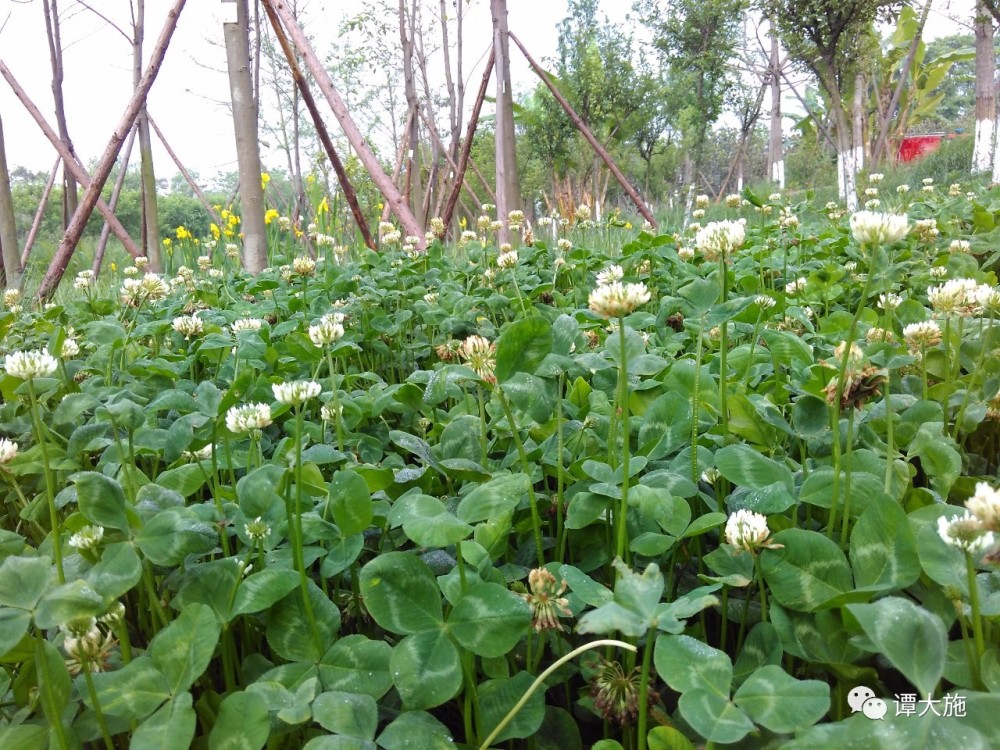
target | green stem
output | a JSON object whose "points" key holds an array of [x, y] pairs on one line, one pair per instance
{"points": [[622, 547], [337, 416], [696, 403], [847, 476], [536, 521], [723, 354], [977, 620], [296, 531], [50, 495], [540, 680], [647, 658], [47, 694], [763, 591], [98, 713]]}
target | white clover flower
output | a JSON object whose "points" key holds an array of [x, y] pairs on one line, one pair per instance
{"points": [[140, 262], [545, 221], [507, 259], [873, 204], [296, 392], [764, 302], [127, 271], [8, 450], [955, 190], [189, 325], [987, 300], [480, 354], [564, 245], [431, 297], [609, 274], [303, 265], [327, 332], [616, 299], [748, 531], [871, 192], [798, 286], [788, 220], [284, 223], [889, 301], [927, 189], [30, 365], [246, 324], [926, 229], [69, 349], [938, 272], [870, 227], [698, 213], [330, 412], [89, 537], [928, 181], [392, 238], [955, 296], [694, 227], [685, 253], [215, 273], [958, 246], [921, 336], [774, 198], [985, 506], [855, 357], [11, 297], [248, 418], [733, 200], [850, 266], [232, 251], [204, 262], [876, 335], [701, 201], [257, 529], [902, 189], [720, 238], [965, 532], [154, 287], [202, 454], [875, 178]]}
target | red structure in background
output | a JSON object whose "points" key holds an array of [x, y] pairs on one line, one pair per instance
{"points": [[914, 147]]}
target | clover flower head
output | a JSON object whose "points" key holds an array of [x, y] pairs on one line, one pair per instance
{"points": [[507, 259], [327, 332], [733, 200], [955, 296], [189, 325], [8, 450], [546, 600], [564, 245], [985, 506], [609, 274], [617, 299], [296, 392], [921, 336], [89, 537], [257, 529], [965, 532], [720, 238], [30, 365], [798, 286], [246, 324], [69, 349], [764, 302], [480, 354], [872, 227], [248, 418], [747, 530]]}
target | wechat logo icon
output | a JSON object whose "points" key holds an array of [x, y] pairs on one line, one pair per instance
{"points": [[863, 699]]}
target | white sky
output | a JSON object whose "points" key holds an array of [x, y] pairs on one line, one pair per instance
{"points": [[183, 100]]}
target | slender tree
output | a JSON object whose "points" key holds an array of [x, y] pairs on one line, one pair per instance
{"points": [[8, 229], [150, 212], [508, 186], [986, 105], [52, 33]]}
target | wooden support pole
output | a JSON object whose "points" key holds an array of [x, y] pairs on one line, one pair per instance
{"points": [[70, 162], [398, 169], [321, 131], [187, 175], [585, 131], [470, 132], [392, 196], [40, 213], [447, 156], [69, 242], [102, 243]]}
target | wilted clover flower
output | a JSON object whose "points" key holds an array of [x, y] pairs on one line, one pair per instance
{"points": [[296, 392], [871, 227], [564, 245], [616, 299], [8, 450], [926, 229], [89, 537], [303, 265], [965, 532], [480, 354], [328, 331], [546, 600], [609, 274], [733, 200], [616, 694], [748, 531], [11, 297], [189, 325], [720, 238], [30, 365], [248, 418], [985, 506], [87, 648]]}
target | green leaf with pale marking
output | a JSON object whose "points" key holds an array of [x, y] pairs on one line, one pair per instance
{"points": [[522, 346], [416, 729], [911, 638], [351, 502], [288, 630], [118, 571], [666, 426], [401, 593], [497, 698], [355, 664], [101, 500], [23, 580], [183, 649], [132, 692], [779, 702], [746, 467], [492, 499], [259, 591], [426, 669], [172, 725], [346, 713], [808, 572], [883, 548], [489, 620], [173, 534], [685, 663], [186, 479], [242, 723], [713, 716]]}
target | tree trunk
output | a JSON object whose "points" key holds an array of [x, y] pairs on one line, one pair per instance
{"points": [[407, 28], [858, 122], [775, 147], [102, 243], [8, 230], [367, 157], [36, 224], [51, 11], [982, 151], [508, 186], [247, 140], [150, 212], [90, 198]]}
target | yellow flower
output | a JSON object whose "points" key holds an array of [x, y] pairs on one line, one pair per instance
{"points": [[114, 266], [217, 207], [167, 242], [215, 230], [270, 215], [323, 206], [229, 232], [310, 178], [264, 179], [225, 214], [182, 233], [233, 220], [298, 232], [461, 222]]}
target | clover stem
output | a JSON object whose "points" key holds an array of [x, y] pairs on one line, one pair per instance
{"points": [[536, 521], [621, 550], [977, 621], [49, 490], [647, 658]]}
